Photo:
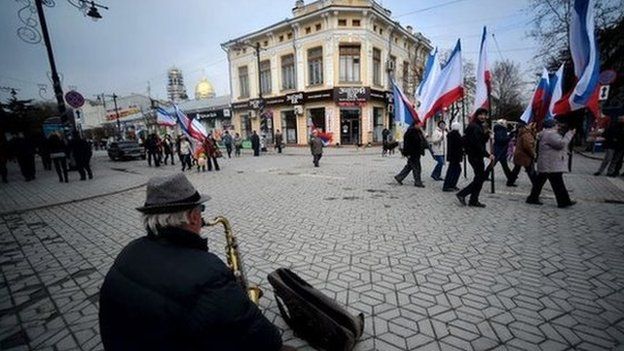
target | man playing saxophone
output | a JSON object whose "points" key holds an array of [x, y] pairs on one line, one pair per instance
{"points": [[166, 292]]}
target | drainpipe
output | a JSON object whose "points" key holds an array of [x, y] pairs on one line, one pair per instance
{"points": [[227, 53]]}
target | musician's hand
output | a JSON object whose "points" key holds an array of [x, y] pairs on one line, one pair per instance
{"points": [[287, 348], [491, 157]]}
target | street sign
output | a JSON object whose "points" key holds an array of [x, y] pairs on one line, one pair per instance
{"points": [[604, 92], [607, 77], [74, 99]]}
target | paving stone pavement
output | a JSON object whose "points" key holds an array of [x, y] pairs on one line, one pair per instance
{"points": [[427, 273]]}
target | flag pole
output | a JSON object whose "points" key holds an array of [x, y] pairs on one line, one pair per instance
{"points": [[464, 132], [493, 163]]}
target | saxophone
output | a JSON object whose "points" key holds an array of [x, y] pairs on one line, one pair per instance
{"points": [[234, 260]]}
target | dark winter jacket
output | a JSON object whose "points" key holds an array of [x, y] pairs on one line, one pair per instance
{"points": [[166, 292], [255, 141], [475, 139], [501, 139], [81, 150], [455, 149], [414, 142], [56, 145]]}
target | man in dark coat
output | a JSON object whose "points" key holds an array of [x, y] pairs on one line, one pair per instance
{"points": [[166, 292], [316, 148], [454, 156], [279, 140], [228, 142], [24, 151], [151, 145], [255, 143], [474, 144], [502, 137], [414, 144], [81, 150]]}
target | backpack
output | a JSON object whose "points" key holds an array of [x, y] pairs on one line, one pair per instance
{"points": [[312, 315]]}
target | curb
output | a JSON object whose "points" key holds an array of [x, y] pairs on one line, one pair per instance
{"points": [[71, 201]]}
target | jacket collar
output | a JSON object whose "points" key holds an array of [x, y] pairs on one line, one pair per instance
{"points": [[179, 237]]}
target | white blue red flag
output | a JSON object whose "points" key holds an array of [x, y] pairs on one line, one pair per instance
{"points": [[484, 77], [191, 128], [449, 87], [556, 91], [584, 51], [404, 112], [540, 101], [165, 118], [430, 76]]}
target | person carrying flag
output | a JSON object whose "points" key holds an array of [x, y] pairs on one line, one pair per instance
{"points": [[414, 145], [474, 144]]}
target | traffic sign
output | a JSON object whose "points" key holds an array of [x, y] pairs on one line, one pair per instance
{"points": [[74, 99], [604, 92]]}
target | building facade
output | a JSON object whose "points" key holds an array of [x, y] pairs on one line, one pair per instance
{"points": [[329, 67]]}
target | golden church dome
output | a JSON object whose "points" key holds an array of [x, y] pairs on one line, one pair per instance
{"points": [[204, 90]]}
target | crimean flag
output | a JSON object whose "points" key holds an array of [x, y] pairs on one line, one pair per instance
{"points": [[484, 76], [430, 76], [165, 118], [586, 58], [449, 86]]}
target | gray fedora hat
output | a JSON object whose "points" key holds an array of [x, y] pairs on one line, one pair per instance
{"points": [[171, 193]]}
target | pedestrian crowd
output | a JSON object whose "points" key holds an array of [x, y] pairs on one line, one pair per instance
{"points": [[65, 153], [544, 155]]}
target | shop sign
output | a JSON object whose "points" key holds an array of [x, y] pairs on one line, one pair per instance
{"points": [[351, 96], [295, 98], [313, 96], [240, 105]]}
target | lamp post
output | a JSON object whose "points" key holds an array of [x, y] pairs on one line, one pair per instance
{"points": [[56, 82], [114, 96]]}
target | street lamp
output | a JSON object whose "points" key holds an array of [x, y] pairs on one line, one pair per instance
{"points": [[56, 82]]}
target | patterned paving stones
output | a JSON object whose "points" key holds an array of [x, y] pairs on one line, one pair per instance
{"points": [[428, 274]]}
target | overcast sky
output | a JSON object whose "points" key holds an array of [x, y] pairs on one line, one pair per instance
{"points": [[138, 40]]}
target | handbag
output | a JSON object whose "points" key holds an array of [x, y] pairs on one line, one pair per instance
{"points": [[312, 315]]}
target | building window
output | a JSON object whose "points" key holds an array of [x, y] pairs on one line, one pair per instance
{"points": [[374, 28], [265, 77], [243, 81], [288, 72], [342, 22], [350, 64], [266, 43], [356, 22], [380, 31], [406, 77], [377, 124], [289, 35], [376, 66], [281, 38], [315, 66], [317, 27]]}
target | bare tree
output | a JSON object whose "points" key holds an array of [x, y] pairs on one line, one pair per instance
{"points": [[551, 26], [507, 89]]}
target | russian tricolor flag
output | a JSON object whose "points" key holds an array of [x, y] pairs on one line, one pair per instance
{"points": [[484, 77], [449, 87], [556, 91], [584, 51], [537, 108]]}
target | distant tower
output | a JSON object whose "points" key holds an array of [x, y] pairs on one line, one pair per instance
{"points": [[175, 87], [204, 90]]}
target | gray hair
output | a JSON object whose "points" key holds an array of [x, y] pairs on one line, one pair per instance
{"points": [[160, 220]]}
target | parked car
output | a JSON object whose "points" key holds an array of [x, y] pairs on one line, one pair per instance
{"points": [[120, 150]]}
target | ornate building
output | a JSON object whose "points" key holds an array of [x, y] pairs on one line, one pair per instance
{"points": [[175, 85], [204, 90], [328, 67]]}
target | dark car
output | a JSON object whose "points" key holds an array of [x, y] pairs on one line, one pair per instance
{"points": [[120, 150]]}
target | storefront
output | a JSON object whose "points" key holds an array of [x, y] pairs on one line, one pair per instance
{"points": [[352, 115]]}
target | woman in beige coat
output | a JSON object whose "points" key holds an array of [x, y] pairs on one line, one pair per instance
{"points": [[552, 163]]}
